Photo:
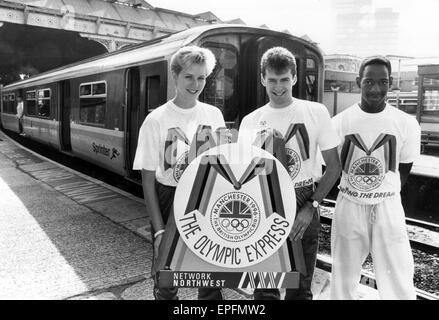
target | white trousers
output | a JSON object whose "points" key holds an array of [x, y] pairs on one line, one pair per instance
{"points": [[381, 230]]}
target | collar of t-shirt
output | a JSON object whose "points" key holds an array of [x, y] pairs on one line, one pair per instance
{"points": [[285, 109], [373, 115], [176, 108]]}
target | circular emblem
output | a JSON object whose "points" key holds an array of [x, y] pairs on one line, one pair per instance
{"points": [[366, 174], [181, 165], [293, 162], [233, 206], [235, 216]]}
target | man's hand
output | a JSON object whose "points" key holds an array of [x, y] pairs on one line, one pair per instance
{"points": [[302, 221]]}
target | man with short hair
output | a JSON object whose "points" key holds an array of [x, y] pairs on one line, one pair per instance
{"points": [[308, 134], [379, 145]]}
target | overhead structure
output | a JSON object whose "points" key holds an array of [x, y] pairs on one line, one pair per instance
{"points": [[112, 23]]}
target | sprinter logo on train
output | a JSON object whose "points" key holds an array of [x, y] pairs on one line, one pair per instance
{"points": [[105, 151], [234, 205]]}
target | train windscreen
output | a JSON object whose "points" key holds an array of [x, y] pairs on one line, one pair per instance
{"points": [[220, 89]]}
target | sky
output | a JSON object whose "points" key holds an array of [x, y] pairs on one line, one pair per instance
{"points": [[419, 35]]}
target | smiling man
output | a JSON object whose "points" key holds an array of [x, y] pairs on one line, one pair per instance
{"points": [[308, 134], [379, 146]]}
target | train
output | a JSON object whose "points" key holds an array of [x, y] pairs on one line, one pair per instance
{"points": [[422, 103], [93, 109]]}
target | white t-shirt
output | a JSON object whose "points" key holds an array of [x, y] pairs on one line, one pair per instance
{"points": [[313, 132], [20, 109], [166, 136], [373, 145]]}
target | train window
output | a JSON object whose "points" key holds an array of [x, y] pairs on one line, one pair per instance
{"points": [[220, 86], [43, 103], [99, 88], [8, 106], [31, 103], [85, 90], [152, 93], [5, 103], [310, 63], [311, 87], [93, 103], [430, 101], [30, 95]]}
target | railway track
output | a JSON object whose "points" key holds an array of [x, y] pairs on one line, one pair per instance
{"points": [[431, 230], [368, 279], [410, 221]]}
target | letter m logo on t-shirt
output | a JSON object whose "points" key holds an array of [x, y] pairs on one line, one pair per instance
{"points": [[353, 141]]}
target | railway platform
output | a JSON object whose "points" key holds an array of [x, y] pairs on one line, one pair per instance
{"points": [[66, 236], [426, 165]]}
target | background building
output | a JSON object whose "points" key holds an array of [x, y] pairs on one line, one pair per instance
{"points": [[341, 90], [362, 30]]}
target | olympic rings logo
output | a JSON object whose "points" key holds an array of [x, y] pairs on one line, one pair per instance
{"points": [[235, 224], [366, 174], [365, 179]]}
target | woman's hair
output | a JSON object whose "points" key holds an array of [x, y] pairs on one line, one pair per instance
{"points": [[189, 55]]}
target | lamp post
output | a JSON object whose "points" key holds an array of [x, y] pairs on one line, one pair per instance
{"points": [[335, 88], [397, 90]]}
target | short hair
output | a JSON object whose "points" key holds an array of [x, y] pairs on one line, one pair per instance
{"points": [[278, 59], [186, 56], [375, 60]]}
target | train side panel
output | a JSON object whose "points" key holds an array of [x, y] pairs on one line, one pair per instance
{"points": [[42, 130], [99, 146], [40, 120], [9, 111], [97, 120], [10, 122]]}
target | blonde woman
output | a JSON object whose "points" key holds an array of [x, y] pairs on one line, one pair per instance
{"points": [[161, 168]]}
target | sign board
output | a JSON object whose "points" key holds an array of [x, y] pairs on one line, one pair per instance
{"points": [[234, 208]]}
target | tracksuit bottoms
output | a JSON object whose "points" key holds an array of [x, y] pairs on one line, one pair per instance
{"points": [[380, 229]]}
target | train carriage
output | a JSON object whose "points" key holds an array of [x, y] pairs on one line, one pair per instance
{"points": [[93, 109]]}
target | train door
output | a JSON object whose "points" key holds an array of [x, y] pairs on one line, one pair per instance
{"points": [[250, 80], [1, 106], [132, 102], [64, 112], [146, 89]]}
